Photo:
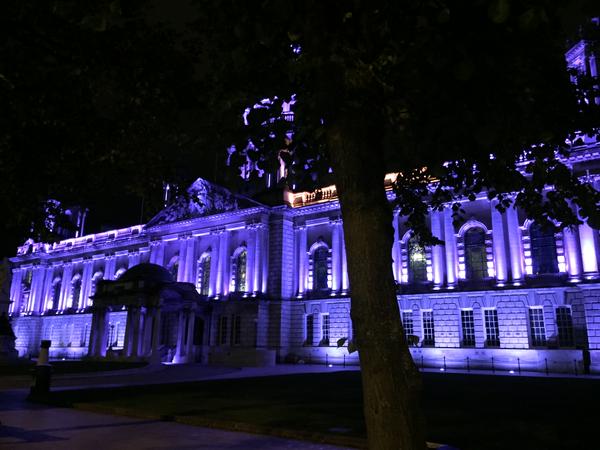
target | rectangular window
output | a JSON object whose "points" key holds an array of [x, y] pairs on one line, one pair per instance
{"points": [[310, 321], [537, 328], [222, 331], [468, 327], [407, 323], [325, 329], [492, 335], [564, 323], [236, 326], [428, 329]]}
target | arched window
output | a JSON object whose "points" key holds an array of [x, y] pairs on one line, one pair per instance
{"points": [[75, 291], [239, 280], [475, 254], [417, 261], [55, 300], [320, 261], [543, 249], [203, 281]]}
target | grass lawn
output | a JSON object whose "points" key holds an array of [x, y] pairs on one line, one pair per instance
{"points": [[466, 411], [24, 367]]}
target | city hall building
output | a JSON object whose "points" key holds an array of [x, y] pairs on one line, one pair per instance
{"points": [[222, 279]]}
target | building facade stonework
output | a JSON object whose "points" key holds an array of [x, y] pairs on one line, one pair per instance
{"points": [[271, 285]]}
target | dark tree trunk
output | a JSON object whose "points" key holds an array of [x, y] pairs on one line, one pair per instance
{"points": [[391, 381]]}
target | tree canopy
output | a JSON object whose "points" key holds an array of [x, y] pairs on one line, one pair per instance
{"points": [[449, 94]]}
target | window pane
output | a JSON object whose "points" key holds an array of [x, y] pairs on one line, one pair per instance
{"points": [[240, 272], [475, 254], [428, 328], [417, 261], [536, 324], [320, 267], [492, 336], [468, 328], [543, 250], [564, 323], [407, 323]]}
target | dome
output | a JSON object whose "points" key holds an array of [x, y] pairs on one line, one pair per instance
{"points": [[147, 272]]}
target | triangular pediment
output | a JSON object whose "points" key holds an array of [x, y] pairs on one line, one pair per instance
{"points": [[202, 198]]}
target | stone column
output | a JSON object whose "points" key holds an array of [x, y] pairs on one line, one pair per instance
{"points": [[15, 289], [437, 251], [250, 258], [223, 271], [37, 288], [146, 317], [98, 332], [189, 345], [190, 261], [336, 255], [345, 284], [157, 252], [258, 243], [302, 260], [86, 282], [109, 267], [573, 257], [450, 247], [181, 347], [500, 265], [263, 234], [128, 341], [155, 356], [181, 268], [396, 250], [589, 255], [515, 245], [65, 289], [47, 292]]}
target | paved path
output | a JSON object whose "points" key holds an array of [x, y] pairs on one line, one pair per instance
{"points": [[30, 427]]}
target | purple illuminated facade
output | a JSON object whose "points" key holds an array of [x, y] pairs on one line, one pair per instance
{"points": [[245, 283]]}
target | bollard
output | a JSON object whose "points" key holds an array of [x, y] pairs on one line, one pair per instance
{"points": [[519, 365], [326, 359], [575, 366], [444, 363], [493, 367], [344, 360], [42, 372], [422, 365], [546, 362], [468, 365]]}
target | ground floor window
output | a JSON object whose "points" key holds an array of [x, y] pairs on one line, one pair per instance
{"points": [[564, 323], [428, 329], [536, 327], [468, 327], [309, 331], [407, 323], [222, 331], [492, 335], [325, 329]]}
